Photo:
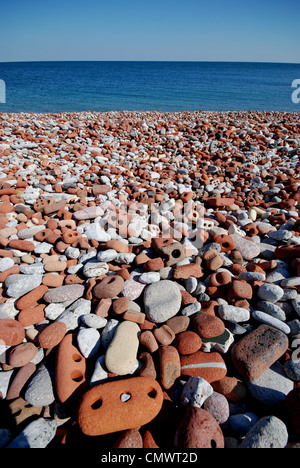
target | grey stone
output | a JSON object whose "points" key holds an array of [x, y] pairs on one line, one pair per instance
{"points": [[38, 434], [289, 282], [263, 317], [191, 284], [72, 252], [252, 276], [28, 233], [107, 255], [5, 263], [267, 252], [72, 315], [294, 327], [270, 292], [93, 321], [272, 386], [162, 300], [268, 432], [108, 332], [43, 247], [100, 372], [191, 309], [280, 235], [64, 293], [289, 294], [292, 369], [149, 277], [247, 248], [271, 309], [33, 269], [233, 314], [278, 275], [19, 285], [39, 391]]}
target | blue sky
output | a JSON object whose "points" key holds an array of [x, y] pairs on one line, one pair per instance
{"points": [[192, 30]]}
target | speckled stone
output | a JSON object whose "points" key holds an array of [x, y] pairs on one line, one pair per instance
{"points": [[39, 391], [247, 248], [37, 434], [64, 293], [217, 405], [254, 353], [132, 287], [198, 429], [268, 432]]}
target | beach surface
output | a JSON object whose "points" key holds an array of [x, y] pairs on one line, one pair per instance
{"points": [[149, 279]]}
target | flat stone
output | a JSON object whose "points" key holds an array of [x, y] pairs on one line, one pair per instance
{"points": [[90, 212], [95, 232], [108, 255], [93, 321], [272, 309], [71, 316], [64, 293], [262, 317], [38, 434], [248, 249], [19, 285], [272, 386], [39, 391]]}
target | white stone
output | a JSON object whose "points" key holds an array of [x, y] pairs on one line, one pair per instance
{"points": [[195, 391], [5, 263], [89, 341]]}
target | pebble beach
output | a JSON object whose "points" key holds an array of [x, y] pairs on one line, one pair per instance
{"points": [[150, 280]]}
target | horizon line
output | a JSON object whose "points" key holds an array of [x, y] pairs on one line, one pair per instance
{"points": [[150, 61]]}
